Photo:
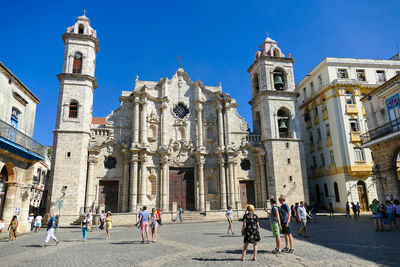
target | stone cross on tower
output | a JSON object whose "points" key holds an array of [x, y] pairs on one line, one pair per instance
{"points": [[180, 61], [84, 12]]}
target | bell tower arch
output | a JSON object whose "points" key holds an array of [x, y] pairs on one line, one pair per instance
{"points": [[274, 109]]}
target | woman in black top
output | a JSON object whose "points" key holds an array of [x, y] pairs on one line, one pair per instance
{"points": [[250, 231]]}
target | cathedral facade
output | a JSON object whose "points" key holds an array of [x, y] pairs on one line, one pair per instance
{"points": [[175, 142]]}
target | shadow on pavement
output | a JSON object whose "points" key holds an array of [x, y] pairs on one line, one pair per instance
{"points": [[202, 259], [127, 242], [239, 251], [357, 238], [32, 246]]}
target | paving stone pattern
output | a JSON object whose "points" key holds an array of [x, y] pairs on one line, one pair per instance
{"points": [[331, 242]]}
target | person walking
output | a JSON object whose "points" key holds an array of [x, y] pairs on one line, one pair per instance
{"points": [[51, 227], [396, 212], [1, 225], [153, 225], [286, 226], [90, 219], [180, 213], [229, 216], [358, 209], [376, 215], [102, 218], [276, 226], [302, 214], [84, 228], [109, 224], [314, 210], [296, 205], [331, 211], [31, 219], [354, 209], [347, 210], [12, 228], [250, 231], [38, 223], [144, 223]]}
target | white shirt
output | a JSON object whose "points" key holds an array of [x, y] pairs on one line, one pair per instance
{"points": [[1, 225], [38, 219], [30, 219], [302, 211], [229, 213], [90, 217]]}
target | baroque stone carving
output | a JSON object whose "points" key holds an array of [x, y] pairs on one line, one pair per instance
{"points": [[180, 151]]}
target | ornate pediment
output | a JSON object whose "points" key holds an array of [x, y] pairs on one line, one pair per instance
{"points": [[180, 152]]}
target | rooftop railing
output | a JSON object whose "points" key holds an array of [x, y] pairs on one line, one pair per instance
{"points": [[381, 131], [10, 133]]}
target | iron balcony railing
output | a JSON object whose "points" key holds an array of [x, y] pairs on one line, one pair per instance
{"points": [[10, 133], [381, 131]]}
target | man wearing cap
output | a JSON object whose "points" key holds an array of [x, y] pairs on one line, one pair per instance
{"points": [[30, 220]]}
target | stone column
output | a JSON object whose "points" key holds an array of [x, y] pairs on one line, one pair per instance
{"points": [[164, 184], [231, 182], [220, 127], [163, 125], [227, 131], [125, 187], [142, 179], [90, 181], [135, 126], [133, 184], [222, 182], [260, 165], [200, 165], [143, 126], [199, 116]]}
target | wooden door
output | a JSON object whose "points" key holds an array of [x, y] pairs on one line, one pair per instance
{"points": [[247, 193], [108, 195], [362, 195], [181, 187]]}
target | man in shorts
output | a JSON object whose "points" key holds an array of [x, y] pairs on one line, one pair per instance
{"points": [[275, 225], [286, 226], [302, 214]]}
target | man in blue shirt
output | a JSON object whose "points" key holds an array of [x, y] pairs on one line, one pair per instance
{"points": [[51, 226]]}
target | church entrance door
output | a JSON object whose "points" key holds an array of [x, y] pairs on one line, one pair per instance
{"points": [[247, 193], [181, 187], [108, 195]]}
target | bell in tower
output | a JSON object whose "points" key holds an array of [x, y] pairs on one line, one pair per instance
{"points": [[278, 81]]}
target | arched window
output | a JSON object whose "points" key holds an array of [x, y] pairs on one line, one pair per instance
{"points": [[349, 98], [210, 133], [77, 66], [324, 104], [279, 79], [276, 53], [306, 115], [73, 109], [326, 190], [152, 185], [315, 111], [81, 29], [152, 134], [283, 123], [256, 84], [15, 115], [257, 123], [335, 187]]}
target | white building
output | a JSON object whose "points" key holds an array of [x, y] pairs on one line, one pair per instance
{"points": [[333, 117]]}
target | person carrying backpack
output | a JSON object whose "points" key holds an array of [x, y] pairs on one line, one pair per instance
{"points": [[275, 225], [286, 225]]}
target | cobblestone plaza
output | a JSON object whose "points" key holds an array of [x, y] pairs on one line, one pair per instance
{"points": [[337, 242]]}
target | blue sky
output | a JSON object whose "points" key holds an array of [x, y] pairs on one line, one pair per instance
{"points": [[217, 39]]}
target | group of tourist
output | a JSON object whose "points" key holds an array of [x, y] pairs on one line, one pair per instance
{"points": [[280, 219], [355, 208], [384, 214]]}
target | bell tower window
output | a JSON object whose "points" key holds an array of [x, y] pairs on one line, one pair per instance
{"points": [[283, 123], [81, 29], [73, 109], [279, 79], [15, 114], [256, 84], [77, 66]]}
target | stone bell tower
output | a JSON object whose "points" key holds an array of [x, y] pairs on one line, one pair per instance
{"points": [[74, 116], [274, 111]]}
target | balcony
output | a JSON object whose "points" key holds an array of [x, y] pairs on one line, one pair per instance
{"points": [[381, 131], [320, 145], [19, 143], [254, 139], [355, 137], [325, 114], [329, 140], [360, 168], [351, 109]]}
